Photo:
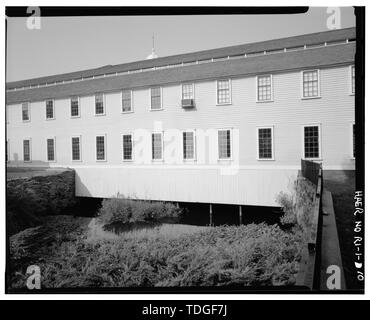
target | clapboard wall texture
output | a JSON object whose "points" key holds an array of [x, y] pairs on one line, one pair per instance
{"points": [[255, 182]]}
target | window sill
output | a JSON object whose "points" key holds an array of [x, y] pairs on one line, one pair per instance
{"points": [[156, 109], [47, 119], [310, 98], [99, 114], [264, 101], [124, 112], [224, 104], [272, 159], [128, 161], [76, 160], [105, 160], [225, 160], [313, 159], [25, 121], [75, 117]]}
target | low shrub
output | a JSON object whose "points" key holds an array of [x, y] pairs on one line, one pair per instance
{"points": [[249, 255], [129, 210], [298, 205]]}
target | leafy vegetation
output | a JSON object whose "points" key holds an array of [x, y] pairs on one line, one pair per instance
{"points": [[129, 210], [298, 205], [249, 255]]}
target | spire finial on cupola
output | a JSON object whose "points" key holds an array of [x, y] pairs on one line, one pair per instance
{"points": [[153, 55]]}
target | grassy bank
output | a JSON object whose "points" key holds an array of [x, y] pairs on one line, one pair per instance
{"points": [[256, 254]]}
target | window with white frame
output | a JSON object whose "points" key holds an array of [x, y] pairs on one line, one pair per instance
{"points": [[224, 144], [353, 79], [26, 150], [76, 149], [264, 88], [265, 143], [155, 98], [353, 141], [311, 142], [223, 91], [49, 109], [100, 148], [50, 145], [126, 101], [157, 146], [75, 107], [99, 104], [127, 147], [310, 83], [25, 111], [187, 91], [188, 139]]}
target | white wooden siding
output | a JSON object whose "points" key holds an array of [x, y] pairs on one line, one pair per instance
{"points": [[251, 185]]}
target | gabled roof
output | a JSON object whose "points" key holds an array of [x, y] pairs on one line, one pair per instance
{"points": [[274, 62]]}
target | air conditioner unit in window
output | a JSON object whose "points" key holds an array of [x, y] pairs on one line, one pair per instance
{"points": [[187, 103]]}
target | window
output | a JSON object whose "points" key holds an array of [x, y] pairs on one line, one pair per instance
{"points": [[157, 146], [224, 144], [311, 142], [265, 143], [155, 98], [75, 107], [187, 91], [27, 150], [25, 112], [100, 148], [50, 144], [352, 79], [188, 138], [353, 141], [49, 109], [126, 101], [223, 92], [76, 149], [99, 104], [127, 147], [311, 84], [264, 88]]}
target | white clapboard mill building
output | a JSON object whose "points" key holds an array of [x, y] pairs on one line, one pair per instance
{"points": [[228, 125]]}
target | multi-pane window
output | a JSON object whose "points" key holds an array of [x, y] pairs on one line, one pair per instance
{"points": [[353, 141], [26, 150], [187, 91], [127, 147], [155, 98], [99, 104], [224, 144], [126, 101], [25, 112], [223, 92], [311, 142], [188, 139], [310, 83], [265, 143], [75, 108], [157, 146], [76, 149], [264, 88], [352, 79], [50, 145], [49, 109], [100, 148]]}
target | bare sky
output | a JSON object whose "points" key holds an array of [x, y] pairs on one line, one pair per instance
{"points": [[71, 44]]}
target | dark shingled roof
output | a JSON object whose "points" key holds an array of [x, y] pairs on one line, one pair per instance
{"points": [[276, 62]]}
